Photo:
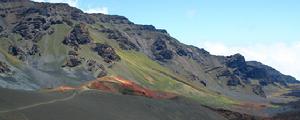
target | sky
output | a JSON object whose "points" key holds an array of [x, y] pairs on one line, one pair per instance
{"points": [[263, 30]]}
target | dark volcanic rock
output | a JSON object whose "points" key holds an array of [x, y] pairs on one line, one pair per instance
{"points": [[267, 75], [159, 45], [56, 20], [14, 0], [125, 44], [107, 52], [2, 15], [33, 10], [160, 51], [22, 29], [236, 61], [198, 54], [23, 53], [233, 82], [162, 31], [1, 29], [204, 82], [123, 41], [93, 66], [34, 50], [256, 89], [165, 54], [73, 60], [224, 72], [31, 28], [193, 77], [73, 53], [150, 28], [78, 15], [183, 52], [78, 36], [263, 83], [147, 27], [256, 73], [4, 68], [255, 70], [114, 19], [16, 51]]}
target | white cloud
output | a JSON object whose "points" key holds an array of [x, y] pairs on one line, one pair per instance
{"points": [[39, 0], [72, 3], [103, 10], [281, 56]]}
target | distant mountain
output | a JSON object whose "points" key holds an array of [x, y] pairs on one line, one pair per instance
{"points": [[45, 45]]}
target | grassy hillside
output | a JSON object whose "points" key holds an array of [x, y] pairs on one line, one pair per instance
{"points": [[50, 45], [140, 68]]}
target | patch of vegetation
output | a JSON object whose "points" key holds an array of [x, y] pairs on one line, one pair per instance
{"points": [[139, 67], [52, 44]]}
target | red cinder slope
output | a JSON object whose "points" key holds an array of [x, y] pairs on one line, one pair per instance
{"points": [[118, 85]]}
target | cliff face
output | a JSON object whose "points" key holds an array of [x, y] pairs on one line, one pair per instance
{"points": [[47, 45]]}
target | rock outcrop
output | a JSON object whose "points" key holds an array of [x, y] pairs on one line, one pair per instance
{"points": [[106, 52], [123, 41], [257, 89], [160, 51], [95, 67], [73, 59], [17, 51], [1, 29], [32, 28], [78, 36], [4, 68]]}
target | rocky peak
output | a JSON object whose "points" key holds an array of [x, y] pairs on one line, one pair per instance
{"points": [[235, 61], [113, 19]]}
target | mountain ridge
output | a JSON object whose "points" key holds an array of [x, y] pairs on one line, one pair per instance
{"points": [[45, 45], [48, 48]]}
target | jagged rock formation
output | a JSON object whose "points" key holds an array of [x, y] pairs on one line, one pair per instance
{"points": [[160, 50], [78, 36], [93, 66], [106, 52], [123, 41], [73, 59], [4, 68], [1, 29]]}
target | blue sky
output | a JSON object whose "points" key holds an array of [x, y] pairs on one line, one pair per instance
{"points": [[232, 21], [262, 30]]}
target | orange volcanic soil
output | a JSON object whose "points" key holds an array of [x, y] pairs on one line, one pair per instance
{"points": [[62, 89], [118, 85]]}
